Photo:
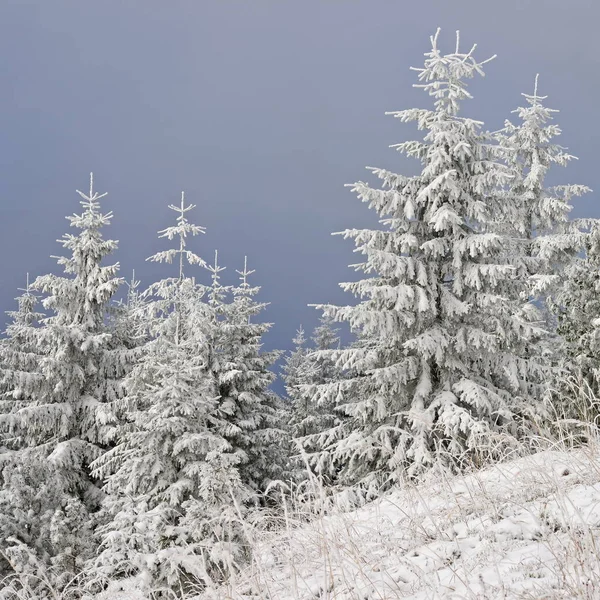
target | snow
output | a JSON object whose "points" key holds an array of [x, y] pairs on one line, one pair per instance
{"points": [[442, 300], [462, 337], [523, 529]]}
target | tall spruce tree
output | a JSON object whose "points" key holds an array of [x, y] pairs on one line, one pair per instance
{"points": [[297, 372], [18, 363], [550, 241], [66, 375], [579, 327], [172, 479], [252, 411], [82, 369], [306, 367], [443, 367]]}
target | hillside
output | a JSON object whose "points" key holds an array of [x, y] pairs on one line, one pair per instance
{"points": [[528, 528]]}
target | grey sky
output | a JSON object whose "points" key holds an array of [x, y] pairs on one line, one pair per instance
{"points": [[261, 110]]}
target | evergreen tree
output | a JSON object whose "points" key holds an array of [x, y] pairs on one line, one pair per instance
{"points": [[127, 319], [549, 260], [66, 377], [308, 367], [172, 479], [297, 371], [579, 327], [253, 412], [443, 368], [18, 362], [82, 369], [550, 242]]}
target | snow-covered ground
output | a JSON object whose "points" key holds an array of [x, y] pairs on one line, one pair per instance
{"points": [[524, 529]]}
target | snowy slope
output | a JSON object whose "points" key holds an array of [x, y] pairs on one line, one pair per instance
{"points": [[524, 529]]}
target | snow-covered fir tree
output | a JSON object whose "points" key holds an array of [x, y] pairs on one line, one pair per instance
{"points": [[297, 371], [18, 364], [172, 480], [325, 337], [83, 370], [308, 366], [443, 367], [66, 380], [579, 327], [127, 319], [32, 499], [252, 411], [550, 241], [305, 367]]}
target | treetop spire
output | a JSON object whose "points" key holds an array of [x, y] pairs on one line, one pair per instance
{"points": [[215, 269], [181, 230], [535, 99], [442, 74], [27, 288], [245, 274], [91, 200], [217, 290]]}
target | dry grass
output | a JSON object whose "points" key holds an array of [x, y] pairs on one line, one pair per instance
{"points": [[525, 527]]}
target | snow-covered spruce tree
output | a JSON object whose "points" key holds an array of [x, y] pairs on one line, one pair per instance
{"points": [[25, 488], [67, 379], [325, 337], [550, 241], [83, 369], [18, 366], [307, 367], [252, 412], [579, 328], [324, 415], [127, 319], [172, 481], [297, 371], [443, 368]]}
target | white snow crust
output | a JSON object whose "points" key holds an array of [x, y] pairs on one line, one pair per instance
{"points": [[524, 529]]}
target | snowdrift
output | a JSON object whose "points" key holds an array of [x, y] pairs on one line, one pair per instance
{"points": [[528, 528]]}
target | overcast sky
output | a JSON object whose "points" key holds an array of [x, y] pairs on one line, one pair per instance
{"points": [[261, 110]]}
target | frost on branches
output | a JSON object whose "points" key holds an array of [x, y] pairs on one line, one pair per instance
{"points": [[550, 242], [579, 327], [251, 411], [307, 366], [298, 371], [18, 368], [63, 377], [173, 487], [443, 372], [127, 320]]}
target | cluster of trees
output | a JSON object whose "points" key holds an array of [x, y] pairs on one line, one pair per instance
{"points": [[136, 433], [136, 436]]}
